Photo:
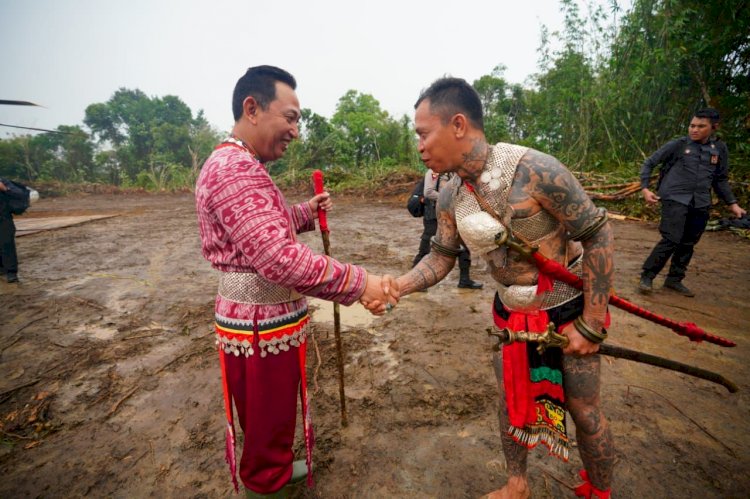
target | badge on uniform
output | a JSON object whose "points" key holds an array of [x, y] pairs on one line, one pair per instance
{"points": [[714, 159]]}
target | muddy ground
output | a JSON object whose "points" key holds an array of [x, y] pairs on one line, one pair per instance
{"points": [[110, 386]]}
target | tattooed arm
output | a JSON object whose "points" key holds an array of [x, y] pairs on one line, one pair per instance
{"points": [[555, 188], [435, 266]]}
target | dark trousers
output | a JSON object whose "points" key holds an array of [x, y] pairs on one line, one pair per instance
{"points": [[8, 257], [430, 229], [681, 228]]}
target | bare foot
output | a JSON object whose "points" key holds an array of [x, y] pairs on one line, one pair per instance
{"points": [[516, 488]]}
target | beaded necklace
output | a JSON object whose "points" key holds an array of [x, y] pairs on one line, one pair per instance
{"points": [[234, 141]]}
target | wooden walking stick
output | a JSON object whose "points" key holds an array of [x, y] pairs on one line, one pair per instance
{"points": [[317, 178]]}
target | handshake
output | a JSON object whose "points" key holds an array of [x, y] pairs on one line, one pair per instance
{"points": [[381, 294]]}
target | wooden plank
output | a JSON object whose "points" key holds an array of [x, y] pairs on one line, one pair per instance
{"points": [[28, 226]]}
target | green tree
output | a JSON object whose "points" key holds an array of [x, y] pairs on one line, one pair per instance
{"points": [[362, 122], [492, 91], [12, 160], [203, 138], [672, 57], [407, 153], [23, 157], [144, 131], [319, 146], [562, 107], [68, 156]]}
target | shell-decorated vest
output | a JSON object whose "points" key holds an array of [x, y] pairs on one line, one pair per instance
{"points": [[476, 227]]}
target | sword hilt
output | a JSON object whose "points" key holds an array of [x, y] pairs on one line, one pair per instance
{"points": [[548, 339], [506, 238]]}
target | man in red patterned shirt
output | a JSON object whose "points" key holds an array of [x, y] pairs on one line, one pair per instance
{"points": [[248, 232]]}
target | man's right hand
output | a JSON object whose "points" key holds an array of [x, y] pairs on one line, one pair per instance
{"points": [[379, 293], [649, 196], [577, 345], [3, 187], [737, 211]]}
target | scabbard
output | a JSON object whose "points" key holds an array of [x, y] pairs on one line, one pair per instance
{"points": [[672, 365], [550, 338]]}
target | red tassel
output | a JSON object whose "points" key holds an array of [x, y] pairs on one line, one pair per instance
{"points": [[230, 441], [306, 417], [230, 456], [588, 491]]}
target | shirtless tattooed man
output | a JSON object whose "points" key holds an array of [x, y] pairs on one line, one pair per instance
{"points": [[539, 202]]}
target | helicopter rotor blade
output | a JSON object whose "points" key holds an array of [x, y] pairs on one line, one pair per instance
{"points": [[17, 103]]}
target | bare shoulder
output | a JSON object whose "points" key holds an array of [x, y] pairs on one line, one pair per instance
{"points": [[447, 233], [554, 187], [447, 196], [542, 166]]}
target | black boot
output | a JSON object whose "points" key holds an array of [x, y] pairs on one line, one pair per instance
{"points": [[679, 287], [12, 277], [464, 264], [469, 284], [646, 286]]}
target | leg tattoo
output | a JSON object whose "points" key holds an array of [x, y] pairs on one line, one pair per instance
{"points": [[515, 454], [582, 383]]}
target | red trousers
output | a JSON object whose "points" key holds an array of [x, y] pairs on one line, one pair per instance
{"points": [[265, 391]]}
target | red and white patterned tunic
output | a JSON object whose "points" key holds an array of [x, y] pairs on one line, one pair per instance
{"points": [[248, 231], [247, 226]]}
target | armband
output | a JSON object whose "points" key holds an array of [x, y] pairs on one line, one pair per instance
{"points": [[592, 228], [443, 250], [588, 332]]}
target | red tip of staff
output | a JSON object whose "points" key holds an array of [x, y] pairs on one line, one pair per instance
{"points": [[317, 179], [695, 333]]}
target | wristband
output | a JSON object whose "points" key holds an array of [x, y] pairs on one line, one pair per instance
{"points": [[588, 332]]}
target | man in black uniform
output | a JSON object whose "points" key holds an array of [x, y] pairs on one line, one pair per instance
{"points": [[8, 258], [691, 166], [432, 183]]}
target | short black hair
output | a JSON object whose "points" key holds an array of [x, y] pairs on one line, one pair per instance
{"points": [[449, 96], [260, 82], [710, 113]]}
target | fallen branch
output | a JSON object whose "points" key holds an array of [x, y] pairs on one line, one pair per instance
{"points": [[559, 480], [145, 453], [15, 339], [701, 427], [10, 344], [617, 216], [141, 336], [608, 186], [117, 405], [186, 355], [631, 189], [14, 435], [16, 388], [90, 303], [440, 385]]}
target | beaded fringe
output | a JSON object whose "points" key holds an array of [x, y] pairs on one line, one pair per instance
{"points": [[244, 347], [531, 437]]}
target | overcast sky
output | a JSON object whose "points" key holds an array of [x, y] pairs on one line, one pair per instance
{"points": [[67, 54]]}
